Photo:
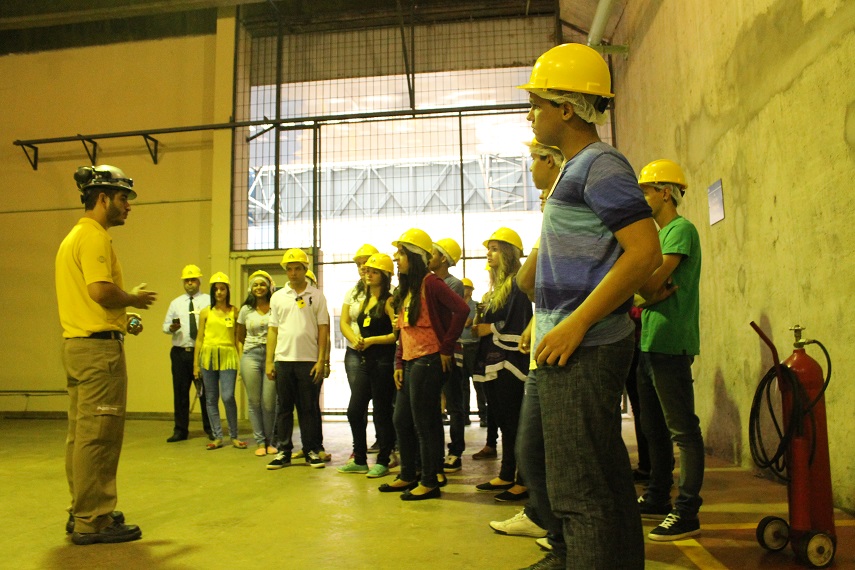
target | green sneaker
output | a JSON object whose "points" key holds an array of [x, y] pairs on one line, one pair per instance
{"points": [[353, 467], [378, 471]]}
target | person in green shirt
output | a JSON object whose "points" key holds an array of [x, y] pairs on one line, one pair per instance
{"points": [[670, 341]]}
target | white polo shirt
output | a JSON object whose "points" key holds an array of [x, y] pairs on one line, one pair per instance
{"points": [[297, 318]]}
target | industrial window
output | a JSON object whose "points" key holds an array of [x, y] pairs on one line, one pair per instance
{"points": [[369, 139]]}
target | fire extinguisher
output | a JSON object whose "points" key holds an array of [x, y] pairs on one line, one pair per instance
{"points": [[801, 458]]}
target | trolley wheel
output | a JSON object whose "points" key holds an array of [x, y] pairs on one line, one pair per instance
{"points": [[773, 533], [815, 549]]}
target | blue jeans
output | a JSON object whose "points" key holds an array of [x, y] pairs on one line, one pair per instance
{"points": [[221, 383], [375, 382], [588, 474], [261, 394], [532, 466], [418, 419], [352, 360], [294, 388], [667, 397]]}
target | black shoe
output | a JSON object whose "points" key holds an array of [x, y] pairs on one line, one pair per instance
{"points": [[441, 479], [176, 436], [387, 488], [452, 464], [313, 459], [375, 448], [549, 562], [116, 532], [507, 496], [434, 493], [675, 527], [118, 516], [652, 511], [210, 435], [490, 487], [282, 459]]}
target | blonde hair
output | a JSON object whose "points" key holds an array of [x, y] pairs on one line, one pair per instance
{"points": [[540, 149], [502, 276]]}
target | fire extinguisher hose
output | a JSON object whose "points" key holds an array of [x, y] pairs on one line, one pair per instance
{"points": [[776, 462]]}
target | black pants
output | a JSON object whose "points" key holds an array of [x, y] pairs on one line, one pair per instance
{"points": [[457, 408], [373, 381], [294, 387], [182, 381], [504, 400], [418, 419]]}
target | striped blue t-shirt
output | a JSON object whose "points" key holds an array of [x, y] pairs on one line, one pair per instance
{"points": [[596, 195]]}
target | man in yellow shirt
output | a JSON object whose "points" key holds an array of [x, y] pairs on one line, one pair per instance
{"points": [[92, 302]]}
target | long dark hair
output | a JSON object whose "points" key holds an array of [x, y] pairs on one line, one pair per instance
{"points": [[214, 296], [252, 300], [411, 282], [378, 310]]}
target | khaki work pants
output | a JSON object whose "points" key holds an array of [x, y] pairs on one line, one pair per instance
{"points": [[97, 389]]}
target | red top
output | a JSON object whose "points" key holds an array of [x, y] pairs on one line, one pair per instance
{"points": [[447, 312]]}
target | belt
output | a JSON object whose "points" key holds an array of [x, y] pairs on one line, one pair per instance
{"points": [[106, 335], [184, 348]]}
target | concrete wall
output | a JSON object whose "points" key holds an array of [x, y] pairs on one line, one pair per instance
{"points": [[115, 88], [759, 94]]}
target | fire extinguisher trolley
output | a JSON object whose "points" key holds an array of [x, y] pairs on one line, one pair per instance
{"points": [[801, 459]]}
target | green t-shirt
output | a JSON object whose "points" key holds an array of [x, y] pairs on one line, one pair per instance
{"points": [[671, 326]]}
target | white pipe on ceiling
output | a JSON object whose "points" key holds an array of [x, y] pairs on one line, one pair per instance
{"points": [[598, 26]]}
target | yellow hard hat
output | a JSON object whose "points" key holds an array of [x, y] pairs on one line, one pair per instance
{"points": [[506, 235], [191, 272], [663, 171], [571, 67], [467, 282], [537, 145], [367, 250], [310, 275], [220, 277], [416, 237], [294, 255], [260, 273], [380, 261], [449, 248]]}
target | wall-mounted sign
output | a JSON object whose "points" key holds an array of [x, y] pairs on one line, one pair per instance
{"points": [[716, 200]]}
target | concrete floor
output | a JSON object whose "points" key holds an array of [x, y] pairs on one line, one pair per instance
{"points": [[223, 509]]}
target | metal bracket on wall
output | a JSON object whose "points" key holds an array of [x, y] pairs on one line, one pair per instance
{"points": [[612, 50], [93, 154], [33, 160], [149, 141]]}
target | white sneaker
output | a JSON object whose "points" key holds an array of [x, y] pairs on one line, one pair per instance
{"points": [[518, 525], [543, 543]]}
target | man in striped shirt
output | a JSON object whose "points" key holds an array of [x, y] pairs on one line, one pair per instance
{"points": [[598, 245]]}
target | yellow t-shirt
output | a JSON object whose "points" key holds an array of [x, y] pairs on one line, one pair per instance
{"points": [[86, 256], [218, 350]]}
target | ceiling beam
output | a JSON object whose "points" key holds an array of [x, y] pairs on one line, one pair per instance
{"points": [[27, 14]]}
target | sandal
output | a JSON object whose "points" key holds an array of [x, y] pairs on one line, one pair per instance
{"points": [[216, 444], [238, 444], [261, 450]]}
